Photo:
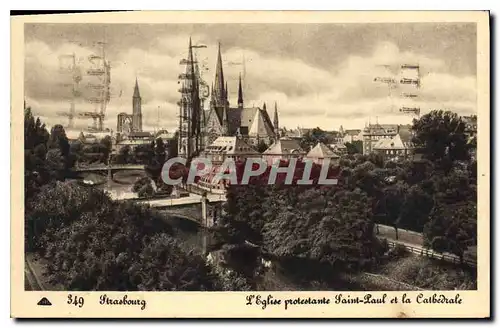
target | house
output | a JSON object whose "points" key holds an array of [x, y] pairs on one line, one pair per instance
{"points": [[373, 133], [353, 135], [223, 148], [396, 148], [320, 153], [338, 148]]}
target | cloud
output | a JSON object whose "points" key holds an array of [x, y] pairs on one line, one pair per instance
{"points": [[307, 95]]}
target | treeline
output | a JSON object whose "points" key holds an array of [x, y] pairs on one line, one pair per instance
{"points": [[47, 156], [317, 232], [112, 246], [93, 243]]}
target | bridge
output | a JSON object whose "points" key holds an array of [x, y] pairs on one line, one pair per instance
{"points": [[114, 167], [110, 169], [202, 209]]}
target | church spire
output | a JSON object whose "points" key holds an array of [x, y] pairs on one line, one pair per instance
{"points": [[136, 89], [276, 121], [219, 91], [264, 106], [227, 93], [136, 109], [240, 94]]}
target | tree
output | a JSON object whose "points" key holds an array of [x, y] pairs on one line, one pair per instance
{"points": [[143, 187], [418, 204], [36, 173], [118, 246], [394, 199], [311, 138], [143, 154], [106, 145], [59, 140], [123, 156], [440, 137], [355, 147], [452, 228], [172, 149], [324, 236], [155, 166]]}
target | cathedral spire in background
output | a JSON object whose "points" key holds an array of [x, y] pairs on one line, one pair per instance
{"points": [[276, 121], [136, 89], [136, 108]]}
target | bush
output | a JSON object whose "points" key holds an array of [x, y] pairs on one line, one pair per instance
{"points": [[398, 251]]}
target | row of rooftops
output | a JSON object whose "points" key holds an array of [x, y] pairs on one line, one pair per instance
{"points": [[235, 146]]}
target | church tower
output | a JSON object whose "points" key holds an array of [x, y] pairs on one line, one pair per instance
{"points": [[190, 133], [219, 98], [136, 109], [219, 102], [240, 94], [276, 121]]}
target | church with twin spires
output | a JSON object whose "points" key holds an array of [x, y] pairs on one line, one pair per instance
{"points": [[250, 124]]}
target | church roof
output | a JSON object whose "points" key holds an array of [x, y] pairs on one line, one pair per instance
{"points": [[321, 151], [243, 118], [260, 125], [284, 146]]}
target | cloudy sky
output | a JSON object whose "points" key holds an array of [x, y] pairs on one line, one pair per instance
{"points": [[319, 74]]}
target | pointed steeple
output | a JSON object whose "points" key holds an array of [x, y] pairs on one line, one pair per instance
{"points": [[264, 106], [240, 94], [136, 89], [227, 93], [136, 109], [219, 91], [276, 121]]}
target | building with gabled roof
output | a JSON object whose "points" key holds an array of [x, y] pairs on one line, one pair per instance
{"points": [[233, 148], [320, 152], [283, 149], [395, 148], [229, 147], [375, 132]]}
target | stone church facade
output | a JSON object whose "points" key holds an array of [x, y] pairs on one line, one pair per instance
{"points": [[252, 124]]}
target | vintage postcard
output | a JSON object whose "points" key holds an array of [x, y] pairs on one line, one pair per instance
{"points": [[251, 164]]}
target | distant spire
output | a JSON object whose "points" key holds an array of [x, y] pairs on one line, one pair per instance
{"points": [[276, 121], [227, 92], [264, 106], [240, 94], [136, 89]]}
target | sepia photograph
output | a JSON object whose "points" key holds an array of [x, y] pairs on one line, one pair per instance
{"points": [[255, 157]]}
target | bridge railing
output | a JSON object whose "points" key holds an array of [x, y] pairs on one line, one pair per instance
{"points": [[107, 167], [434, 255]]}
